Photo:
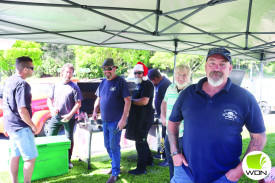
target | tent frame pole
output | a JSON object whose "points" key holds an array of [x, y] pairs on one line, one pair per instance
{"points": [[261, 76], [175, 57]]}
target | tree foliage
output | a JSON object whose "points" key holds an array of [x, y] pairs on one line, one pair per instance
{"points": [[270, 68], [93, 58], [19, 49], [54, 57], [165, 61]]}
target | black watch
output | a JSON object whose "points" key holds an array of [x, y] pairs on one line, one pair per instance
{"points": [[174, 153]]}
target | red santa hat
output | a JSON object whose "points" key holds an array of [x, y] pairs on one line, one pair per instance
{"points": [[141, 67]]}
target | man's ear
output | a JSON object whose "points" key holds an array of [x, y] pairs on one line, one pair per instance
{"points": [[25, 70], [230, 68]]}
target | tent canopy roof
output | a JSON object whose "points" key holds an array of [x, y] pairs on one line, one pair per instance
{"points": [[187, 26]]}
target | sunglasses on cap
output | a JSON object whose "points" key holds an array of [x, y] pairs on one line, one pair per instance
{"points": [[139, 72], [107, 68], [32, 68]]}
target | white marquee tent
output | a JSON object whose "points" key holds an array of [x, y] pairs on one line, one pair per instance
{"points": [[245, 27]]}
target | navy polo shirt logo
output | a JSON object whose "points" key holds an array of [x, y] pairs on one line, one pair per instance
{"points": [[113, 89], [230, 114]]}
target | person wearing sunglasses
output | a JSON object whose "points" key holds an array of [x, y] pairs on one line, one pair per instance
{"points": [[214, 112], [141, 118], [17, 119], [113, 99], [64, 100]]}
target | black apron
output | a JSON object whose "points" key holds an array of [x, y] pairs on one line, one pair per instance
{"points": [[139, 123]]}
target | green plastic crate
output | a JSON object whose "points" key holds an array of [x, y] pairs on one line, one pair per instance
{"points": [[52, 160]]}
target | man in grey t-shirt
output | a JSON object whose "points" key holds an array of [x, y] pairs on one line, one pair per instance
{"points": [[64, 100]]}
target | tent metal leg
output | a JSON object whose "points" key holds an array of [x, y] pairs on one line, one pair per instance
{"points": [[175, 58]]}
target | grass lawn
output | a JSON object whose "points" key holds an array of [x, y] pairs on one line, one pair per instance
{"points": [[155, 174]]}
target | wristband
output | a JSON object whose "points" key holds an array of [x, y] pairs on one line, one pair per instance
{"points": [[174, 153]]}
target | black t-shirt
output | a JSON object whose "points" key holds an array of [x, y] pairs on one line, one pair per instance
{"points": [[145, 89], [16, 94], [141, 118]]}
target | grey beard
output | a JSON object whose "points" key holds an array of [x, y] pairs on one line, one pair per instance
{"points": [[138, 80], [181, 85], [215, 83], [109, 77]]}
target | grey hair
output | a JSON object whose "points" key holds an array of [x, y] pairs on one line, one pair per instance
{"points": [[67, 65], [183, 68]]}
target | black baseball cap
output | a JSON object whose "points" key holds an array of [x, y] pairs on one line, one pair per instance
{"points": [[220, 51], [153, 73]]}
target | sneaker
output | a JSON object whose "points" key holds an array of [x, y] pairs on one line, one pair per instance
{"points": [[112, 179], [164, 163], [70, 165], [137, 172]]}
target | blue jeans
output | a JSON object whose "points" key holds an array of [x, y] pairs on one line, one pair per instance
{"points": [[180, 176], [112, 144]]}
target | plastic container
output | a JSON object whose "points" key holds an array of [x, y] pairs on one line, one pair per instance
{"points": [[52, 160]]}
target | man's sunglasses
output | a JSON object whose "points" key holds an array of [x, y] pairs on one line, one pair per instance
{"points": [[139, 72], [107, 68], [32, 68]]}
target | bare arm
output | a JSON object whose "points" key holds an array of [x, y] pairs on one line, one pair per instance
{"points": [[163, 109], [257, 143], [96, 108], [141, 101], [173, 136], [50, 103], [127, 105], [25, 116], [53, 109], [76, 107]]}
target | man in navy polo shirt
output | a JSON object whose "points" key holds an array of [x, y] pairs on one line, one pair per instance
{"points": [[161, 84], [214, 112], [113, 99]]}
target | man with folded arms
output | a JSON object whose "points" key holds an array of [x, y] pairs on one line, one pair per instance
{"points": [[141, 118]]}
